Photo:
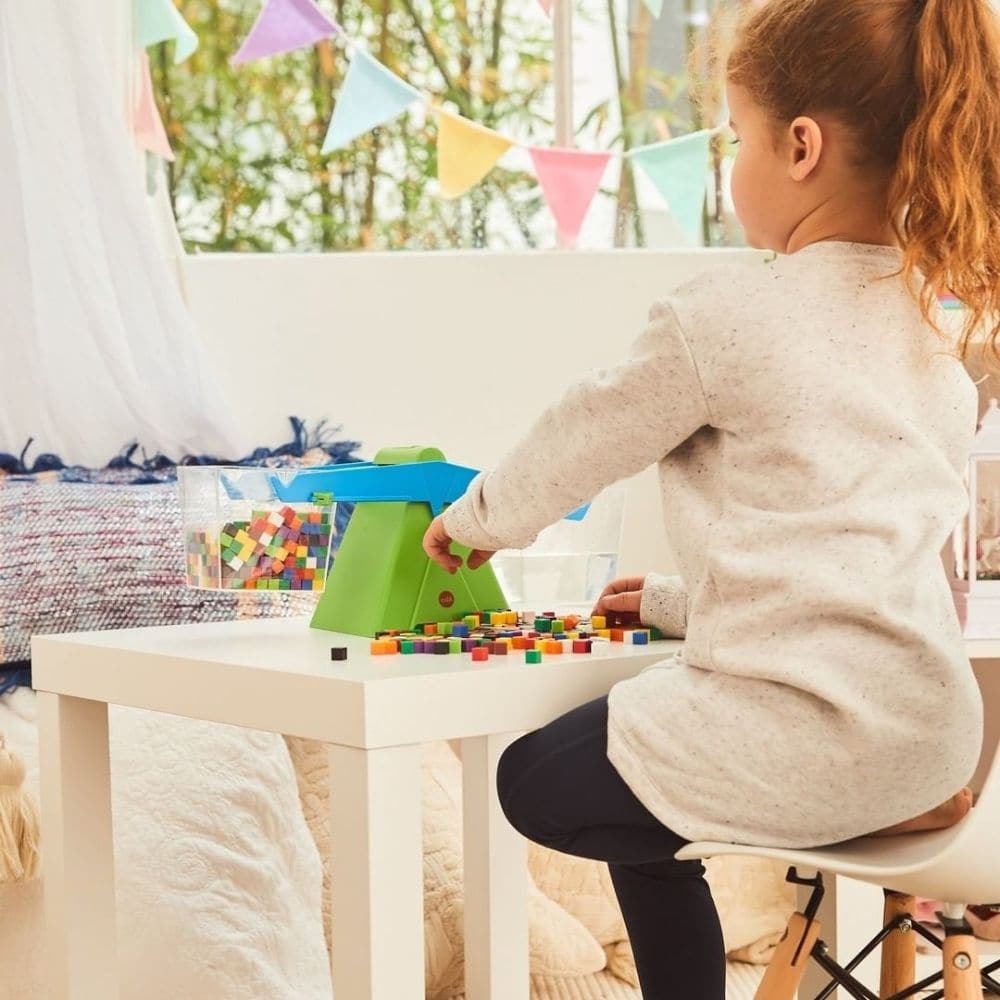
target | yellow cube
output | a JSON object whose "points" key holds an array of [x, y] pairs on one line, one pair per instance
{"points": [[598, 622]]}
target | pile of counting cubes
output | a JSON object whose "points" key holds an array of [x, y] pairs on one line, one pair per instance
{"points": [[502, 632], [275, 550]]}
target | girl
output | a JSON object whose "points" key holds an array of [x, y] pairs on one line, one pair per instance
{"points": [[811, 421]]}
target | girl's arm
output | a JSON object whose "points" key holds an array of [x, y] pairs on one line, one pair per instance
{"points": [[606, 427], [665, 604], [652, 599]]}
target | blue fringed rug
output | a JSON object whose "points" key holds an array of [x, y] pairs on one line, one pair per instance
{"points": [[102, 548]]}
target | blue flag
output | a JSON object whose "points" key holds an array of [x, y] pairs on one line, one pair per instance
{"points": [[158, 21], [677, 167], [370, 96]]}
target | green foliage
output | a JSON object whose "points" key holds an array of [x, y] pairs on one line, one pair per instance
{"points": [[249, 174]]}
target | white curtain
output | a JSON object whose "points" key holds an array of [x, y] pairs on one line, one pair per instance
{"points": [[96, 346]]}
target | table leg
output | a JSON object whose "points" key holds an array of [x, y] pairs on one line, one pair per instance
{"points": [[77, 848], [376, 873], [496, 881]]}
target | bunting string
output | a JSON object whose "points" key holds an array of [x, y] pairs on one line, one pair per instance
{"points": [[372, 95]]}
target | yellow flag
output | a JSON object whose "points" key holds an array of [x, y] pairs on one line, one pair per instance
{"points": [[466, 152]]}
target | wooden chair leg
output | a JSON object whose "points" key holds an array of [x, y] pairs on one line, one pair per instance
{"points": [[781, 979], [961, 968], [899, 949]]}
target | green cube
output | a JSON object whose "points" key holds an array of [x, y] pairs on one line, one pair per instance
{"points": [[543, 624], [444, 628], [406, 646], [532, 656], [558, 624], [454, 645]]}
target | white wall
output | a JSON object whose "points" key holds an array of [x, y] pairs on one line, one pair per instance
{"points": [[458, 350]]}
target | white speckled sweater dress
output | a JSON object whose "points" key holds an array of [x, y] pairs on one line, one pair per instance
{"points": [[811, 433]]}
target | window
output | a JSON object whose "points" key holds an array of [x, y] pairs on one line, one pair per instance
{"points": [[249, 174]]}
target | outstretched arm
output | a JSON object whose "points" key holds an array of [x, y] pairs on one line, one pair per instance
{"points": [[606, 427]]}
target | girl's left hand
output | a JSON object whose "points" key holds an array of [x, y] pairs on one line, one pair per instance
{"points": [[437, 544]]}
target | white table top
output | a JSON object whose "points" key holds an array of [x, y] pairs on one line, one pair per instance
{"points": [[276, 674]]}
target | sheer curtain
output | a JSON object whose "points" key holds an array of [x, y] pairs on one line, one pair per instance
{"points": [[96, 346]]}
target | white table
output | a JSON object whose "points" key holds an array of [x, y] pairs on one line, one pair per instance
{"points": [[375, 712]]}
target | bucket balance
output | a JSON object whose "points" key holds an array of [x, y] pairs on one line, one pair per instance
{"points": [[381, 577]]}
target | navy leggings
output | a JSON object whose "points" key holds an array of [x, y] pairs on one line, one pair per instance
{"points": [[557, 787]]}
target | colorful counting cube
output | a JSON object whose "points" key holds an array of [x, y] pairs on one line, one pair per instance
{"points": [[532, 656], [480, 653]]}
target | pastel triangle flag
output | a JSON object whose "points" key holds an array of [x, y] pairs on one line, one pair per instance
{"points": [[546, 6], [160, 21], [146, 122], [467, 152], [284, 25], [677, 167], [655, 7], [370, 96], [569, 179]]}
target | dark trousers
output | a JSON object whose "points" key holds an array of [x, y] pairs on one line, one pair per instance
{"points": [[557, 787]]}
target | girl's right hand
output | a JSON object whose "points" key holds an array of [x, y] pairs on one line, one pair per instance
{"points": [[620, 600]]}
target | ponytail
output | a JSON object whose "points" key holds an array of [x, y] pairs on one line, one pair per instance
{"points": [[944, 199]]}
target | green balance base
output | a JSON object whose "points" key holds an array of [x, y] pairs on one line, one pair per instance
{"points": [[381, 577]]}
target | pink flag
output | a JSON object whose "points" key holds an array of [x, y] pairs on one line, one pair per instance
{"points": [[570, 179], [146, 123], [283, 25], [546, 6]]}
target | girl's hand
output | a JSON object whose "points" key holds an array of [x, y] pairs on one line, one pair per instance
{"points": [[620, 600], [437, 545]]}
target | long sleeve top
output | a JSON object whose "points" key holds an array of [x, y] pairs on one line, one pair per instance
{"points": [[811, 433]]}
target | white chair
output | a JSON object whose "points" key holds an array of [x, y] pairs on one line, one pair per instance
{"points": [[960, 864]]}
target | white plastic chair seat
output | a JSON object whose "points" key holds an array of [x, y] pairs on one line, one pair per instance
{"points": [[958, 864]]}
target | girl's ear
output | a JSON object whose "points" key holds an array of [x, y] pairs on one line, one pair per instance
{"points": [[806, 145]]}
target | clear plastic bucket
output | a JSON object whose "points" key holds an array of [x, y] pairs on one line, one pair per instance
{"points": [[569, 563], [239, 536]]}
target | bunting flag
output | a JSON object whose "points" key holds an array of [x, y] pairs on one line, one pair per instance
{"points": [[161, 21], [284, 25], [677, 168], [546, 6], [371, 95], [467, 152], [569, 179], [146, 122]]}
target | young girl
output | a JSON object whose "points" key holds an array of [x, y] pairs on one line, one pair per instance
{"points": [[811, 421]]}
